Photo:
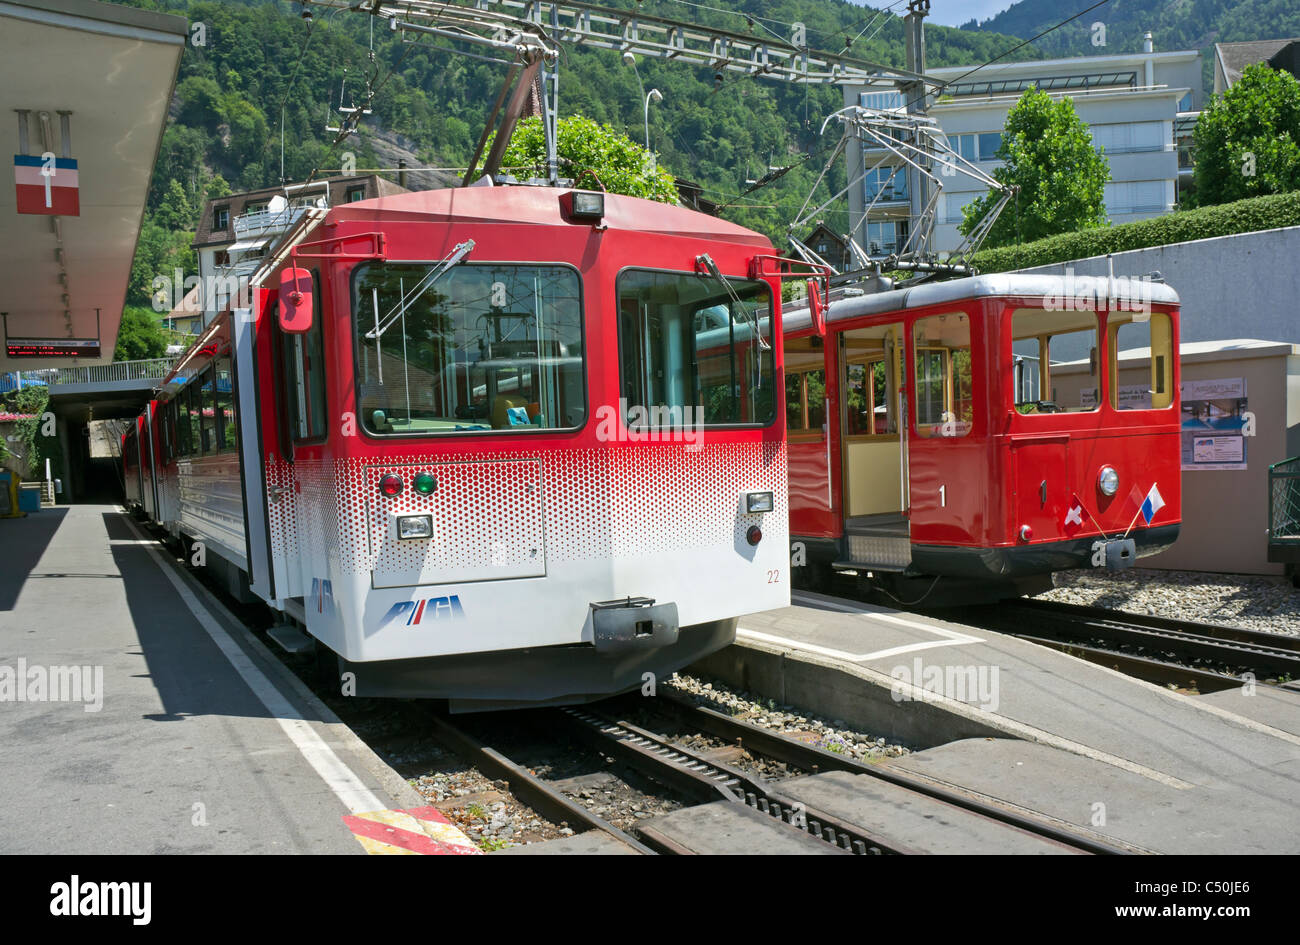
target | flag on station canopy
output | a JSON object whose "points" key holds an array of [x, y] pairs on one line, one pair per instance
{"points": [[47, 185], [1152, 504]]}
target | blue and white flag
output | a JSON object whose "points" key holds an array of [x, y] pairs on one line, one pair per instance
{"points": [[1152, 504]]}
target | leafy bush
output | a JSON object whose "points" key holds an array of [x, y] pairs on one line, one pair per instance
{"points": [[596, 156], [1243, 216]]}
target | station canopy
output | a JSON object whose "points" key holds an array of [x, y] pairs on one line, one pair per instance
{"points": [[88, 85]]}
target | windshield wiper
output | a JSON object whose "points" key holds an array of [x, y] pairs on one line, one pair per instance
{"points": [[382, 325], [705, 260]]}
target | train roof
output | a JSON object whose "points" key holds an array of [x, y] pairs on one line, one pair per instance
{"points": [[540, 206], [1078, 289]]}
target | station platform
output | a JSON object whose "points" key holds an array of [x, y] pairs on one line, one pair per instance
{"points": [[182, 733], [1151, 768]]}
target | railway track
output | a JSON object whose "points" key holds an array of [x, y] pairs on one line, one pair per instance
{"points": [[703, 778], [1159, 649]]}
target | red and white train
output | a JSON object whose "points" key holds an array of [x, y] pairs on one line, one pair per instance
{"points": [[962, 440], [496, 445]]}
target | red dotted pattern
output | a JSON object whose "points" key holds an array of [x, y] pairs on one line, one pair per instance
{"points": [[485, 515], [623, 501]]}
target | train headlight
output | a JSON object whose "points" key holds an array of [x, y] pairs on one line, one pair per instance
{"points": [[391, 485], [584, 204], [414, 526], [1108, 480], [759, 502]]}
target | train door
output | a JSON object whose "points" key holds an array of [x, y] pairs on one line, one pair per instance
{"points": [[809, 446], [945, 462], [1042, 341], [874, 454], [252, 470]]}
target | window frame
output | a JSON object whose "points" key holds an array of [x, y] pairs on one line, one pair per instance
{"points": [[777, 374], [217, 224], [587, 410], [931, 431], [1044, 340]]}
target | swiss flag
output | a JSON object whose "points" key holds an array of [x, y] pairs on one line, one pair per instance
{"points": [[1073, 516]]}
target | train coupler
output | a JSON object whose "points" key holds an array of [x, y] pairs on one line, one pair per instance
{"points": [[1115, 553], [633, 623]]}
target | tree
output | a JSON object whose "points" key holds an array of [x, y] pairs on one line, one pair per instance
{"points": [[596, 156], [139, 336], [1248, 139], [1048, 154]]}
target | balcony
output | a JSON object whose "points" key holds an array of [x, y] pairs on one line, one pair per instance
{"points": [[266, 222]]}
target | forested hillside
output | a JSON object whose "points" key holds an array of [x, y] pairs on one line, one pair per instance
{"points": [[261, 59], [1174, 24]]}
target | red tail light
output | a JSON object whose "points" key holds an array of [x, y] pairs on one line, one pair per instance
{"points": [[390, 485], [754, 535]]}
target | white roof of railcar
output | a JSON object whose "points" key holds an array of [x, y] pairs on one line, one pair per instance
{"points": [[1087, 289]]}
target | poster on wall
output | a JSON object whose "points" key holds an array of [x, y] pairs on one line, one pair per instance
{"points": [[1213, 419]]}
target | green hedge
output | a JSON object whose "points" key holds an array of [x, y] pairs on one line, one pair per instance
{"points": [[1243, 216]]}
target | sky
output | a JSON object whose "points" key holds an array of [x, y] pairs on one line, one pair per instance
{"points": [[952, 12]]}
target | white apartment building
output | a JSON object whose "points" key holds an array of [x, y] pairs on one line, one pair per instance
{"points": [[1140, 108], [237, 231]]}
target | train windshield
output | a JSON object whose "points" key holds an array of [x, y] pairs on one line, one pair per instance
{"points": [[695, 350], [484, 347]]}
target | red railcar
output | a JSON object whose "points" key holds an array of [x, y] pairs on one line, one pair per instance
{"points": [[968, 438], [502, 446]]}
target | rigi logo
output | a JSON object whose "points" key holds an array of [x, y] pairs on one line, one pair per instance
{"points": [[421, 611]]}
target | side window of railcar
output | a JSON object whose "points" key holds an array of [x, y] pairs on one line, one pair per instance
{"points": [[805, 387], [204, 392], [1141, 375], [1055, 367], [691, 342], [483, 347], [945, 401], [302, 374], [194, 407], [226, 406], [870, 408]]}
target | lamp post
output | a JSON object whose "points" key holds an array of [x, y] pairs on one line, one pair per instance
{"points": [[653, 95]]}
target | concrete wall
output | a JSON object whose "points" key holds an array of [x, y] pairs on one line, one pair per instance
{"points": [[1225, 512]]}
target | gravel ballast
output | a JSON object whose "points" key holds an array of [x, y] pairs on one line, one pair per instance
{"points": [[1254, 602]]}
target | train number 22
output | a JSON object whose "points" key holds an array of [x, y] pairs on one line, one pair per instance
{"points": [[774, 576]]}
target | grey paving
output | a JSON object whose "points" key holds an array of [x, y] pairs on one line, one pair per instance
{"points": [[183, 757], [910, 822], [1208, 819], [1190, 773], [728, 828]]}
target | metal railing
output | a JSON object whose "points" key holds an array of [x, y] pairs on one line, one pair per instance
{"points": [[267, 221], [1284, 510], [143, 370]]}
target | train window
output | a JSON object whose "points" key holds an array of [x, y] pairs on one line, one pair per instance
{"points": [[695, 349], [945, 401], [1141, 365], [302, 376], [194, 408], [1054, 366], [484, 347], [203, 395], [794, 401], [227, 429]]}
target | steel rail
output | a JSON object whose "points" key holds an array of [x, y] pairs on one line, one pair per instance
{"points": [[530, 789], [707, 780], [1231, 646], [811, 758]]}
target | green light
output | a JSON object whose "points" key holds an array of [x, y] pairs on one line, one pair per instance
{"points": [[425, 483]]}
